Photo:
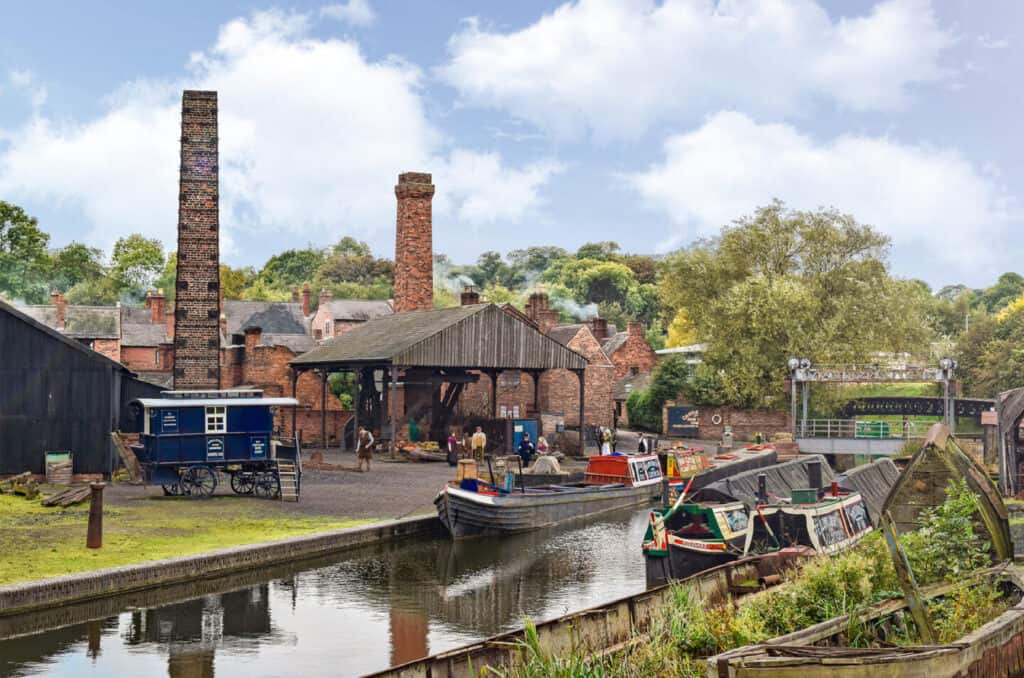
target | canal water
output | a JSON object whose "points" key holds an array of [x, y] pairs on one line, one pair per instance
{"points": [[359, 612]]}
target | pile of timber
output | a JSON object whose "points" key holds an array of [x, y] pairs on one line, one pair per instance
{"points": [[58, 473], [128, 458], [67, 497], [23, 484]]}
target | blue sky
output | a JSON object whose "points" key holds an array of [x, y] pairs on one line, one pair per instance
{"points": [[649, 123]]}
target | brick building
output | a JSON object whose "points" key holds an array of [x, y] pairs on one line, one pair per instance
{"points": [[97, 327], [629, 351], [147, 339], [336, 317]]}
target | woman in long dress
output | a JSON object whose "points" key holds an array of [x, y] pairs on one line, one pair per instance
{"points": [[364, 448]]}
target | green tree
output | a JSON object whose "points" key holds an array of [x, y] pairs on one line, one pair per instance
{"points": [[602, 251], [291, 268], [168, 275], [24, 262], [645, 269], [781, 283], [1008, 287], [532, 261], [233, 281], [76, 263], [136, 262]]}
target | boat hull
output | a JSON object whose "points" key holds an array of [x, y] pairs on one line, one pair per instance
{"points": [[680, 563], [468, 514]]}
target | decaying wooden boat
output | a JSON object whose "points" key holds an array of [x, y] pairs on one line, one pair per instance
{"points": [[996, 650], [474, 508], [601, 629]]}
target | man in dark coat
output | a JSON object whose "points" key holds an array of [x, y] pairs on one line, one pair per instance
{"points": [[526, 449]]}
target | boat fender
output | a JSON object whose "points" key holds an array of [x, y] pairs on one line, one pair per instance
{"points": [[716, 419]]}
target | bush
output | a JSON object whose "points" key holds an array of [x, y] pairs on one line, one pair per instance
{"points": [[643, 412]]}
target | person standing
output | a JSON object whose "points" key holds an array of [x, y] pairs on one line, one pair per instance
{"points": [[479, 443], [453, 449], [606, 442], [526, 449], [364, 448], [542, 445]]}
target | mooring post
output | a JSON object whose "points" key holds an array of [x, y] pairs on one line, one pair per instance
{"points": [[94, 536], [762, 488]]}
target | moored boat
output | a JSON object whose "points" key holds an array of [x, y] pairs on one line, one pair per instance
{"points": [[471, 507]]}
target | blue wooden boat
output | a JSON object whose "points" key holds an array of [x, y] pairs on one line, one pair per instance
{"points": [[474, 508]]}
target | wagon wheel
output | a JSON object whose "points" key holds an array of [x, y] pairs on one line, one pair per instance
{"points": [[172, 490], [267, 485], [243, 482], [199, 481]]}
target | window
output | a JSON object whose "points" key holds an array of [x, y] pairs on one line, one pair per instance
{"points": [[327, 328], [634, 371], [156, 357], [216, 420]]}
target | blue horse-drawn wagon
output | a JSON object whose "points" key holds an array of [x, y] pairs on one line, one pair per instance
{"points": [[189, 438]]}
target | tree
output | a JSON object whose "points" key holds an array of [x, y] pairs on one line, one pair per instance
{"points": [[607, 282], [136, 261], [681, 331], [233, 281], [645, 269], [166, 280], [291, 268], [24, 261], [1006, 289], [602, 251], [76, 263], [349, 246], [784, 283], [534, 260]]}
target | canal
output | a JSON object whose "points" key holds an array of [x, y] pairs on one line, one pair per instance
{"points": [[358, 612]]}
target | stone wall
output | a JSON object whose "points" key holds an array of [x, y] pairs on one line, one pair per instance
{"points": [[744, 423], [197, 302], [414, 256]]}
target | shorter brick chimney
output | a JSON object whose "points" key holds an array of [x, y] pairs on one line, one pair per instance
{"points": [[252, 338], [599, 328], [536, 305], [169, 320], [635, 328], [223, 326], [470, 296], [325, 297], [156, 305], [307, 294], [57, 299]]}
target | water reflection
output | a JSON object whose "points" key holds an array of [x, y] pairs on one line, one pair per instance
{"points": [[372, 608]]}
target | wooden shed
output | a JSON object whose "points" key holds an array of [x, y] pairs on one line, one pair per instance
{"points": [[57, 394]]}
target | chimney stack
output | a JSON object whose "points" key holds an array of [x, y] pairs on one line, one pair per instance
{"points": [[57, 299], [306, 294], [325, 297], [169, 319], [197, 300], [599, 328], [252, 338], [414, 253], [156, 305], [470, 296], [635, 328], [536, 305]]}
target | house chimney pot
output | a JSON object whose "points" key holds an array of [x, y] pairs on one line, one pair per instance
{"points": [[252, 337], [156, 306], [635, 328], [307, 293], [169, 321], [470, 296], [414, 255], [599, 328], [57, 299]]}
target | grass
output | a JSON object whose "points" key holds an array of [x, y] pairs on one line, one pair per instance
{"points": [[40, 542]]}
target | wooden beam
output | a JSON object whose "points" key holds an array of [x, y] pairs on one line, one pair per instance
{"points": [[494, 393], [295, 409], [358, 376], [582, 376], [392, 409], [323, 408]]}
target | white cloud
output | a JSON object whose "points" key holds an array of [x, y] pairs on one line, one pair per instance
{"points": [[312, 138], [931, 200], [616, 67], [25, 81], [990, 42], [355, 12]]}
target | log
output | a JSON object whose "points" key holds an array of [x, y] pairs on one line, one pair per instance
{"points": [[131, 462], [65, 498]]}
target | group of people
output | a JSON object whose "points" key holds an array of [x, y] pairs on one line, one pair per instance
{"points": [[527, 450], [476, 444], [455, 448]]}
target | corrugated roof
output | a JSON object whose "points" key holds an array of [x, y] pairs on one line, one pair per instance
{"points": [[477, 336], [358, 309]]}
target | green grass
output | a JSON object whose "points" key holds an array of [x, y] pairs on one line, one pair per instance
{"points": [[40, 542]]}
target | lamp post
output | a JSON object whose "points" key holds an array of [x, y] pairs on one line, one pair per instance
{"points": [[792, 364], [948, 367]]}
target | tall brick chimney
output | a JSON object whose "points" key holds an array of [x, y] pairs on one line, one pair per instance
{"points": [[197, 299], [57, 299], [306, 294], [414, 253]]}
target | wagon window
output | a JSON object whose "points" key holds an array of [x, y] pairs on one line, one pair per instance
{"points": [[216, 421]]}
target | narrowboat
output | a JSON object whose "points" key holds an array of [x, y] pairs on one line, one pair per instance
{"points": [[687, 539], [471, 507]]}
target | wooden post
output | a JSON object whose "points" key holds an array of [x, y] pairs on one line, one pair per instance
{"points": [[392, 407], [582, 376], [536, 391], [94, 535], [494, 393], [295, 409], [915, 601], [323, 409], [358, 375]]}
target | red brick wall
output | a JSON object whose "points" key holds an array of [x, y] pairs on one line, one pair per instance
{"points": [[266, 367], [142, 358], [476, 398], [635, 353], [560, 389], [108, 347], [745, 423], [322, 319], [197, 303], [414, 256]]}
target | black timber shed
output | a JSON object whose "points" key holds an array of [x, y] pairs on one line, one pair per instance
{"points": [[443, 344], [57, 394]]}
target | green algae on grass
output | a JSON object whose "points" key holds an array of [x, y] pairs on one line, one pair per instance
{"points": [[40, 542]]}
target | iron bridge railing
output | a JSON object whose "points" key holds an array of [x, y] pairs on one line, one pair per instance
{"points": [[851, 428]]}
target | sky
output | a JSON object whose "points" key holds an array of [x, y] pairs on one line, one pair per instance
{"points": [[648, 123]]}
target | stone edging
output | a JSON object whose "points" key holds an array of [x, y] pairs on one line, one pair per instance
{"points": [[32, 595]]}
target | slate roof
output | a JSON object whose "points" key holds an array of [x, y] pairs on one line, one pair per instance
{"points": [[630, 383], [296, 343], [80, 322], [563, 334], [138, 328], [358, 309], [614, 342], [20, 314], [273, 317], [476, 336], [164, 378]]}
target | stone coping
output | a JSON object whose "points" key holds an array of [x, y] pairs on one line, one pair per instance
{"points": [[33, 595]]}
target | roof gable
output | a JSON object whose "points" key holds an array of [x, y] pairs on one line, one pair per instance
{"points": [[272, 317], [54, 334]]}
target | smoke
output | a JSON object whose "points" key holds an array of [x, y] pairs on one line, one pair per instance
{"points": [[447, 279], [580, 312]]}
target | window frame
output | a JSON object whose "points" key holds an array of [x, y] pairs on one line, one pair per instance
{"points": [[216, 419]]}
